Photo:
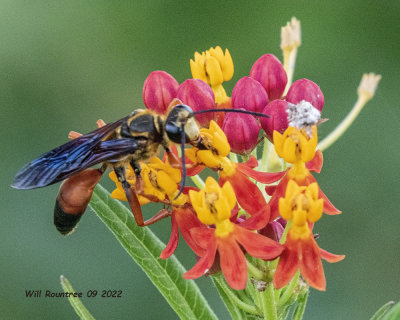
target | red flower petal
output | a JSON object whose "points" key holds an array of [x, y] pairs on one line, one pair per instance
{"points": [[233, 263], [203, 236], [287, 267], [329, 208], [279, 192], [204, 263], [263, 177], [187, 221], [310, 264], [257, 245], [252, 162], [330, 257], [258, 220], [247, 193], [173, 240], [316, 163]]}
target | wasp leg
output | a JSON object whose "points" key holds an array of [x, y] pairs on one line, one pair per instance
{"points": [[130, 195], [173, 160], [163, 213], [139, 182]]}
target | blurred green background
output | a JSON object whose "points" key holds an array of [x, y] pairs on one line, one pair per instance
{"points": [[64, 64]]}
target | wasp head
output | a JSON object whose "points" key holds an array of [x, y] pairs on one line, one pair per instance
{"points": [[181, 120]]}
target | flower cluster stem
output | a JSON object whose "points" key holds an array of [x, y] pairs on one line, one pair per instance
{"points": [[269, 303], [289, 290], [251, 309], [300, 306]]}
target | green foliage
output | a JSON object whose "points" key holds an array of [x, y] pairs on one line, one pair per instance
{"points": [[144, 247], [75, 302]]}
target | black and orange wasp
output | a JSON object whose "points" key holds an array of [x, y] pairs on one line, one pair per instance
{"points": [[130, 140]]}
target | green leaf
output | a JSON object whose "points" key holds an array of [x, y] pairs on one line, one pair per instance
{"points": [[392, 314], [382, 310], [144, 247], [75, 302]]}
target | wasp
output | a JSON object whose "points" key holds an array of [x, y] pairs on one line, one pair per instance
{"points": [[128, 141]]}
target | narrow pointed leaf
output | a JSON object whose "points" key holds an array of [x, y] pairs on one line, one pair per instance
{"points": [[144, 247], [75, 302]]}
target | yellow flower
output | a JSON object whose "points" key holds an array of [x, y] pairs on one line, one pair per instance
{"points": [[214, 204], [213, 67], [302, 205], [159, 180]]}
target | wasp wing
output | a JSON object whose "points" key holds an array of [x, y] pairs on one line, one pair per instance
{"points": [[74, 156]]}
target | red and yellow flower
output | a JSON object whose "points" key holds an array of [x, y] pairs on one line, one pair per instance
{"points": [[213, 206], [302, 207]]}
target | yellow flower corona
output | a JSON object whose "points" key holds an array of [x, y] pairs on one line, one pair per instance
{"points": [[213, 67], [214, 204], [302, 206]]}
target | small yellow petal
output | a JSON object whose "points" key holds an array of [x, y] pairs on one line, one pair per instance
{"points": [[299, 217], [285, 209], [229, 194], [278, 139], [198, 71], [214, 71], [165, 182], [208, 158], [289, 151], [315, 211], [119, 195]]}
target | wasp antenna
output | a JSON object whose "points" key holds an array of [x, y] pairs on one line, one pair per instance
{"points": [[257, 114], [183, 180]]}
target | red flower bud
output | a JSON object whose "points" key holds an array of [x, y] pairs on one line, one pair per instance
{"points": [[269, 71], [278, 118], [158, 91], [274, 229], [242, 132], [249, 94], [307, 90], [199, 96]]}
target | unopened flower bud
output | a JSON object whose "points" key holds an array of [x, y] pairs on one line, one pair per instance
{"points": [[242, 132], [199, 96], [249, 94], [158, 91], [269, 71], [274, 229], [278, 118], [306, 90]]}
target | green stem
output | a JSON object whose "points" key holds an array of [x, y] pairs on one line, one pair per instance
{"points": [[75, 302], [300, 307], [268, 303], [264, 158], [198, 181], [245, 157], [289, 290], [252, 309], [254, 271], [234, 311], [233, 157]]}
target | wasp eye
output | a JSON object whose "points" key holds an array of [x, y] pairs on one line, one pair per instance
{"points": [[174, 132], [176, 120]]}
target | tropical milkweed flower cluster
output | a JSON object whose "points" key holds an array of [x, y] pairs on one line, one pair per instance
{"points": [[250, 222]]}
